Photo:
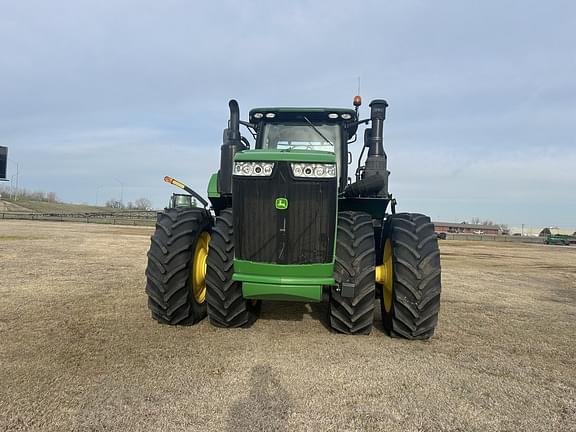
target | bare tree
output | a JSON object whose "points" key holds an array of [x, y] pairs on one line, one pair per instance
{"points": [[143, 204], [114, 203]]}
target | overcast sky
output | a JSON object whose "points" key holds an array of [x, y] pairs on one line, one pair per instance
{"points": [[482, 94]]}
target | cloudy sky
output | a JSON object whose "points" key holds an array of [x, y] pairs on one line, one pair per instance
{"points": [[482, 117]]}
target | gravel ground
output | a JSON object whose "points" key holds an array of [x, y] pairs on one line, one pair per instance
{"points": [[78, 350]]}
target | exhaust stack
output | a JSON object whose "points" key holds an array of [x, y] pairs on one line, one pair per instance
{"points": [[231, 144], [376, 162]]}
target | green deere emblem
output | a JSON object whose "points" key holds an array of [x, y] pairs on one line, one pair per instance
{"points": [[281, 203]]}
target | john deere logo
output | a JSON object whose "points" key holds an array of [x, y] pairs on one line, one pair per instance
{"points": [[281, 203]]}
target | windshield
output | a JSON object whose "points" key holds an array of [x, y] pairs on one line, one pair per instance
{"points": [[301, 136]]}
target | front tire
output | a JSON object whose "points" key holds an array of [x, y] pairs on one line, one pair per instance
{"points": [[412, 278], [177, 266], [226, 305], [355, 258]]}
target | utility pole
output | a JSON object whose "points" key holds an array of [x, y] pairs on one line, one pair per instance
{"points": [[17, 177], [121, 193], [97, 191]]}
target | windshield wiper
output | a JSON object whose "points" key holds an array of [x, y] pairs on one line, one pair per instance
{"points": [[318, 131]]}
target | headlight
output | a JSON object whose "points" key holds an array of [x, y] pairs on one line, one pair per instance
{"points": [[256, 169], [313, 170]]}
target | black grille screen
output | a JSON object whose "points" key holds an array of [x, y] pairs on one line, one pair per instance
{"points": [[301, 234]]}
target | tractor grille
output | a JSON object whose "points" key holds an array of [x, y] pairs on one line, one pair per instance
{"points": [[301, 234]]}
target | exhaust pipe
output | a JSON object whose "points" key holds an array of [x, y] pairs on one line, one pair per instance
{"points": [[234, 122], [231, 144], [376, 161]]}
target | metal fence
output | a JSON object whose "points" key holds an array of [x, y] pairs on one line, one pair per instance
{"points": [[148, 218], [498, 238]]}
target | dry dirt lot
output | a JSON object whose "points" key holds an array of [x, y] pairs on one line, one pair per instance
{"points": [[78, 350]]}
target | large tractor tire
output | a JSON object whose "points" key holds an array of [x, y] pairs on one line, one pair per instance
{"points": [[410, 276], [176, 270], [352, 300], [226, 305]]}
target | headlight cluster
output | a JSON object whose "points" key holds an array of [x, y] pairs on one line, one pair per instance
{"points": [[313, 170], [345, 116], [258, 169]]}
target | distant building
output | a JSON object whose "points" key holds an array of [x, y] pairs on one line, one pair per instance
{"points": [[463, 228], [535, 231]]}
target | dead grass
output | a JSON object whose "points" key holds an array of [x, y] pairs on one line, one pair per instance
{"points": [[54, 207], [79, 351]]}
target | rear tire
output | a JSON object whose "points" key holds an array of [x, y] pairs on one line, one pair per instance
{"points": [[355, 258], [170, 269], [226, 305], [415, 297]]}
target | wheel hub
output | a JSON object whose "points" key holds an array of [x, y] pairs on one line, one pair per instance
{"points": [[199, 267], [385, 275]]}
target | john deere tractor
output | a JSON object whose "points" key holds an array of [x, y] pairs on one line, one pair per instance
{"points": [[285, 221]]}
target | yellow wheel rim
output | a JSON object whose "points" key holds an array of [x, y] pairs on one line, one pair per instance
{"points": [[385, 275], [199, 267]]}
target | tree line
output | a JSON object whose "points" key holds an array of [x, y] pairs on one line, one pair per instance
{"points": [[23, 194], [139, 204]]}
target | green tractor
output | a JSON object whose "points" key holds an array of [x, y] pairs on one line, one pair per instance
{"points": [[183, 201], [286, 222], [558, 239]]}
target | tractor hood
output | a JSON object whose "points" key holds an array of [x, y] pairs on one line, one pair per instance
{"points": [[286, 155]]}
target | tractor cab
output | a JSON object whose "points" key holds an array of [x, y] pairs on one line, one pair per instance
{"points": [[306, 129], [182, 201]]}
